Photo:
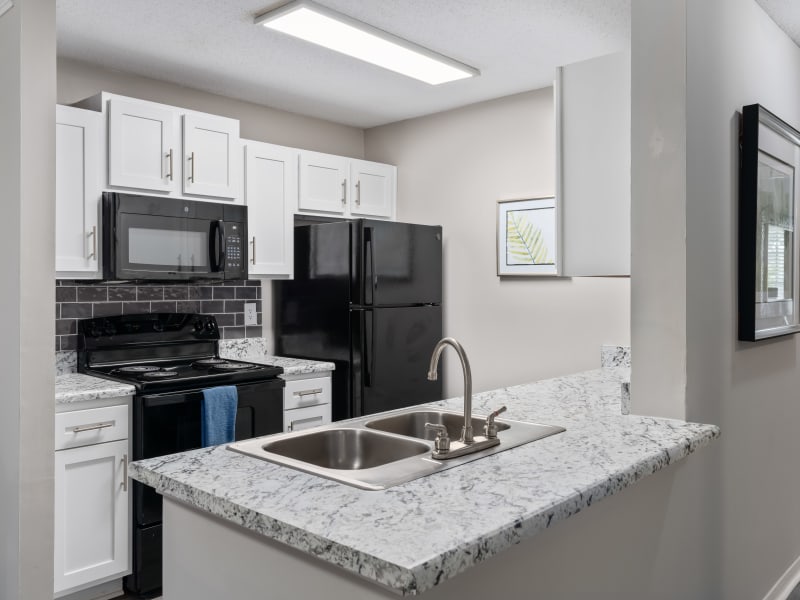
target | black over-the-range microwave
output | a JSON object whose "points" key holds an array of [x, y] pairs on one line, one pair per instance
{"points": [[161, 239]]}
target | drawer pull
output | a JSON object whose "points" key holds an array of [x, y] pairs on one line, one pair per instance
{"points": [[124, 483], [308, 392], [92, 427], [301, 424]]}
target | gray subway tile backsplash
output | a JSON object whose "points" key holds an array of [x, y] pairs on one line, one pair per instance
{"points": [[77, 300]]}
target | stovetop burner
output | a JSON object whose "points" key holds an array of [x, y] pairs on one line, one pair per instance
{"points": [[209, 362], [136, 369], [158, 374], [226, 366]]}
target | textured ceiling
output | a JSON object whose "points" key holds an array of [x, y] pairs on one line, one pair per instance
{"points": [[213, 45], [786, 13]]}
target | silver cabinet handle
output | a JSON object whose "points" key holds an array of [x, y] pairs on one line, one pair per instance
{"points": [[358, 193], [308, 392], [124, 483], [93, 234], [169, 175], [344, 192], [253, 258], [293, 424], [92, 427], [191, 158]]}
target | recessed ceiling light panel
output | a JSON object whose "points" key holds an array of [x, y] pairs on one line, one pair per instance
{"points": [[319, 25]]}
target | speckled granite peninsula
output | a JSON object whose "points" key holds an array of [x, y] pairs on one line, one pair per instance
{"points": [[77, 387], [412, 537]]}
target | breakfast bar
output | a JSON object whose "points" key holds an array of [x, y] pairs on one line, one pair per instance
{"points": [[408, 539]]}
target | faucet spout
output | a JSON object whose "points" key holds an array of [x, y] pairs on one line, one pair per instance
{"points": [[466, 432]]}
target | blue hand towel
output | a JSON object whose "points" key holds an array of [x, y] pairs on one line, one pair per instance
{"points": [[218, 415]]}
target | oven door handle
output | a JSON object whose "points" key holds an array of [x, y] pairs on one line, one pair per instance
{"points": [[217, 245], [194, 394]]}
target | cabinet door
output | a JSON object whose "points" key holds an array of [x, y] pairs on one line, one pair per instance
{"points": [[372, 188], [142, 146], [78, 144], [593, 105], [323, 183], [210, 156], [91, 515], [271, 198]]}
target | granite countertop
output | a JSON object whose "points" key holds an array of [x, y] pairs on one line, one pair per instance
{"points": [[522, 491], [77, 387], [255, 350]]}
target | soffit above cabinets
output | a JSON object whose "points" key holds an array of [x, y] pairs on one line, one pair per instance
{"points": [[215, 46]]}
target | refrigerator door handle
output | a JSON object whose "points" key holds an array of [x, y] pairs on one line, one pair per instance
{"points": [[369, 347], [371, 275]]}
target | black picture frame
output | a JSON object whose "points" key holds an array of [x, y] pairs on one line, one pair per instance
{"points": [[768, 276]]}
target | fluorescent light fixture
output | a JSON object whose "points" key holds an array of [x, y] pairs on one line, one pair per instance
{"points": [[319, 25]]}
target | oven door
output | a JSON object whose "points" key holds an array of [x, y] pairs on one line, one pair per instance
{"points": [[170, 423]]}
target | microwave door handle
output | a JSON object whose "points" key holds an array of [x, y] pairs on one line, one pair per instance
{"points": [[217, 250]]}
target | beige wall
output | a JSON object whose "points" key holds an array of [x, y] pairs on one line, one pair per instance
{"points": [[736, 55], [452, 168], [27, 174], [77, 80], [658, 209]]}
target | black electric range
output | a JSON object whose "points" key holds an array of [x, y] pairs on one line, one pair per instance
{"points": [[170, 358]]}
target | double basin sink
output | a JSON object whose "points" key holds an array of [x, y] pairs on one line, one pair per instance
{"points": [[380, 451]]}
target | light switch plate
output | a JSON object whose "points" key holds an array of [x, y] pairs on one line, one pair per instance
{"points": [[250, 314]]}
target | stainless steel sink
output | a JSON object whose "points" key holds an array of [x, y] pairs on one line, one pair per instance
{"points": [[413, 424], [376, 453], [346, 449]]}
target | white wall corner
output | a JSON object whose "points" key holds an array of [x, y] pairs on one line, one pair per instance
{"points": [[658, 208]]}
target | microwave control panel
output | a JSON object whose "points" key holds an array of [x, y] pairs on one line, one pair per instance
{"points": [[235, 255]]}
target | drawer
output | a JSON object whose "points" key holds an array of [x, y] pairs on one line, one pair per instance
{"points": [[305, 418], [300, 393], [92, 426]]}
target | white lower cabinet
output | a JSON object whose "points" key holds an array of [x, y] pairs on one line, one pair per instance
{"points": [[306, 401], [91, 529]]}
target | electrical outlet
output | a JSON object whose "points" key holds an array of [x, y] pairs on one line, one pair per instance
{"points": [[250, 314]]}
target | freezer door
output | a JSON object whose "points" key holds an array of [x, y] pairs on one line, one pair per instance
{"points": [[400, 264], [394, 351]]}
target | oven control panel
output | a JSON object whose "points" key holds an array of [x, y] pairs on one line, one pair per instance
{"points": [[146, 328]]}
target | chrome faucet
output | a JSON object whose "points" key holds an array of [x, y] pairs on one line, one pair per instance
{"points": [[466, 431], [467, 443]]}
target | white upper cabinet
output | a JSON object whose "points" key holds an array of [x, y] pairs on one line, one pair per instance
{"points": [[593, 105], [372, 188], [169, 151], [78, 175], [323, 183], [142, 145], [347, 187], [211, 155], [271, 198]]}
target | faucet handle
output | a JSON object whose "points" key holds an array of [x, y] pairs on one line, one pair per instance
{"points": [[490, 429], [442, 442]]}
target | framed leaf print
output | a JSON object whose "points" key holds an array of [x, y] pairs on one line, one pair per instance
{"points": [[527, 242]]}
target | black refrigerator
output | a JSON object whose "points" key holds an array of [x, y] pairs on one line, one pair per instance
{"points": [[367, 296]]}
